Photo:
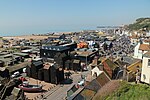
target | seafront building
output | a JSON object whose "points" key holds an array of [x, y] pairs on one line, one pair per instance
{"points": [[80, 59]]}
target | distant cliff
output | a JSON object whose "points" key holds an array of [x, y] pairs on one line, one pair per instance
{"points": [[140, 24]]}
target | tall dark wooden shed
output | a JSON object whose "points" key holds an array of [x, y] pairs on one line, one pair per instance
{"points": [[56, 74], [76, 65], [46, 72], [35, 66]]}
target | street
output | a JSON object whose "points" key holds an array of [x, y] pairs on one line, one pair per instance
{"points": [[60, 92]]}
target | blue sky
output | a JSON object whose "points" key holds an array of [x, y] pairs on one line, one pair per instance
{"points": [[19, 17]]}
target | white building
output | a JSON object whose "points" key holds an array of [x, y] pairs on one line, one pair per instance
{"points": [[140, 50], [145, 74], [148, 33], [96, 71], [134, 40], [126, 33]]}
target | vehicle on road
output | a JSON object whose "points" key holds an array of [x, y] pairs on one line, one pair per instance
{"points": [[15, 74], [82, 82]]}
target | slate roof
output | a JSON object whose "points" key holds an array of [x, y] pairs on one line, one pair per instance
{"points": [[130, 60], [93, 85], [147, 54], [91, 89], [55, 48], [110, 63], [102, 79], [37, 63], [119, 62], [85, 94], [56, 66]]}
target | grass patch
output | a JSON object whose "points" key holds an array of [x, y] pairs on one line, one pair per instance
{"points": [[130, 92]]}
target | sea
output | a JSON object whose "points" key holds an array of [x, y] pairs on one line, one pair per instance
{"points": [[41, 31]]}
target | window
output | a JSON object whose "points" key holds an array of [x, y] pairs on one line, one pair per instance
{"points": [[148, 62]]}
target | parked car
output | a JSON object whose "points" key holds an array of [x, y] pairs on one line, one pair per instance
{"points": [[24, 70], [15, 74], [81, 83]]}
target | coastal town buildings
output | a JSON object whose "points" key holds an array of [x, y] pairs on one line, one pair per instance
{"points": [[140, 49], [58, 59], [145, 76]]}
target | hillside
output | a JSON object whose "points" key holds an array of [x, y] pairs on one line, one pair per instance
{"points": [[140, 23], [125, 91]]}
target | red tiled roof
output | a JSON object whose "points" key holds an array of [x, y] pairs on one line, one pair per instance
{"points": [[147, 40], [144, 47], [133, 37]]}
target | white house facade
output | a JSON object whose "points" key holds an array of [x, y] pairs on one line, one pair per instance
{"points": [[140, 50], [145, 74], [96, 71]]}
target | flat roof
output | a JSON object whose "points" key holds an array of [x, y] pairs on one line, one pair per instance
{"points": [[4, 53], [20, 54], [6, 59], [130, 60], [17, 66], [85, 53], [7, 55]]}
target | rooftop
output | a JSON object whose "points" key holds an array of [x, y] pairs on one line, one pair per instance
{"points": [[48, 65], [20, 54], [109, 63], [56, 48], [145, 47], [130, 60], [17, 66], [85, 53], [147, 54], [134, 37], [6, 56], [147, 40]]}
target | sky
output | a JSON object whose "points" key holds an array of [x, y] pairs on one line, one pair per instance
{"points": [[20, 17]]}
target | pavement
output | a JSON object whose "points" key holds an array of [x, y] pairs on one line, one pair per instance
{"points": [[46, 87], [60, 91]]}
